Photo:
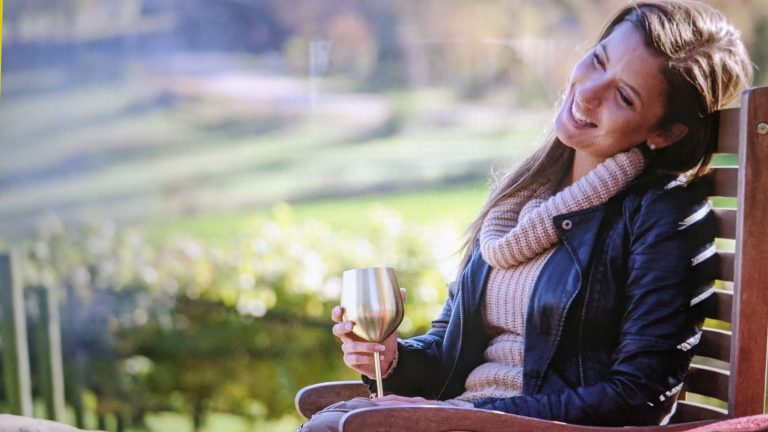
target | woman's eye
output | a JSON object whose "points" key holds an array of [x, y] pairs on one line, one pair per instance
{"points": [[597, 61], [624, 99]]}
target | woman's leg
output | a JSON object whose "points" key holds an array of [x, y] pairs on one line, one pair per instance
{"points": [[327, 420]]}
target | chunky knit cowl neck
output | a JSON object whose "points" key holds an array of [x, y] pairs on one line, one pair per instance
{"points": [[520, 227]]}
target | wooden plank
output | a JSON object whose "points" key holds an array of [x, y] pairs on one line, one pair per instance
{"points": [[312, 399], [728, 131], [708, 381], [727, 265], [48, 337], [443, 418], [750, 344], [690, 412], [15, 352], [716, 344], [726, 181], [726, 223], [721, 307], [75, 364]]}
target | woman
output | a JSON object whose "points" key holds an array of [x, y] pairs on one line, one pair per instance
{"points": [[577, 296]]}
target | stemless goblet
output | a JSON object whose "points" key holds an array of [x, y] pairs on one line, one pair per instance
{"points": [[371, 299]]}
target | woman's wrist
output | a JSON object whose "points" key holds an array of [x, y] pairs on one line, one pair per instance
{"points": [[392, 365]]}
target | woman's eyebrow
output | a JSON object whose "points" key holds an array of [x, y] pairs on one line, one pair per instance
{"points": [[633, 89]]}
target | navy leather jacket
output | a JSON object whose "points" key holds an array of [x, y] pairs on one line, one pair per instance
{"points": [[610, 322]]}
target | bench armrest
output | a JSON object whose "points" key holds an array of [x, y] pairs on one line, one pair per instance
{"points": [[312, 399], [440, 419]]}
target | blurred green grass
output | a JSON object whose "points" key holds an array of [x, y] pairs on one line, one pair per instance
{"points": [[138, 153], [456, 204]]}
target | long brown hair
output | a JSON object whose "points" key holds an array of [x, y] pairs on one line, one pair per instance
{"points": [[706, 67]]}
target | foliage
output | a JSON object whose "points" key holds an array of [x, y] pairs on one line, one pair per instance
{"points": [[234, 327]]}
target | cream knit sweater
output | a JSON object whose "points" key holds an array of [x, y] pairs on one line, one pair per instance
{"points": [[516, 239]]}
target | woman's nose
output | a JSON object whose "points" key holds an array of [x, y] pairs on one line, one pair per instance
{"points": [[590, 94]]}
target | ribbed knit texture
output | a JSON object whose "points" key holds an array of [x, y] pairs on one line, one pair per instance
{"points": [[516, 239], [506, 304], [507, 242]]}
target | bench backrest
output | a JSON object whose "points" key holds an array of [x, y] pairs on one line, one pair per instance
{"points": [[728, 374]]}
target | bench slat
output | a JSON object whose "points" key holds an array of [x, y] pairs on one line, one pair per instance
{"points": [[726, 223], [691, 412], [728, 131], [727, 265], [726, 181], [708, 381], [721, 307], [716, 344]]}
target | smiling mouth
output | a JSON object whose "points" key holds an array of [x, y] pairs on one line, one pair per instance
{"points": [[579, 117]]}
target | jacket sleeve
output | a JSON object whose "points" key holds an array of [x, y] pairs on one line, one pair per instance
{"points": [[419, 363], [671, 250]]}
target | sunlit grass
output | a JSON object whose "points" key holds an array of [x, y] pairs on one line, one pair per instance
{"points": [[139, 154], [456, 204]]}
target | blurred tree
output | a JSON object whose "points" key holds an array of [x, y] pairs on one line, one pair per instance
{"points": [[214, 358], [760, 50], [227, 25], [237, 327]]}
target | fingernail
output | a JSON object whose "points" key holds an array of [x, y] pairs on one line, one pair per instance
{"points": [[347, 326], [336, 310]]}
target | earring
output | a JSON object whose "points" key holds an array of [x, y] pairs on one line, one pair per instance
{"points": [[652, 146]]}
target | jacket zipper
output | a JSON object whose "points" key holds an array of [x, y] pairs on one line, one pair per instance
{"points": [[460, 302]]}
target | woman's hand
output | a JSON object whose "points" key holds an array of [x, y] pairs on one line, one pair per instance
{"points": [[358, 353]]}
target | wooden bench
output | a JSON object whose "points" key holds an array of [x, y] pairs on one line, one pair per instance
{"points": [[728, 375]]}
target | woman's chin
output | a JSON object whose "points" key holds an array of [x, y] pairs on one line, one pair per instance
{"points": [[562, 133]]}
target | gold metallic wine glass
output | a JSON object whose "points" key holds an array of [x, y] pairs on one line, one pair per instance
{"points": [[371, 299]]}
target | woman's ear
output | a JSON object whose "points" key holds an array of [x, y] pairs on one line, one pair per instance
{"points": [[668, 136]]}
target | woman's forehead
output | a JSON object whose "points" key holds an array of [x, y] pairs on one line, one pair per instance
{"points": [[632, 60]]}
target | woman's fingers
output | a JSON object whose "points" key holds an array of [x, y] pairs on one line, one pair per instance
{"points": [[356, 360], [361, 347], [343, 330], [358, 353], [361, 363], [336, 314]]}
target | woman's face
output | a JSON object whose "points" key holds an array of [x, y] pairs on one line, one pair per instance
{"points": [[615, 97]]}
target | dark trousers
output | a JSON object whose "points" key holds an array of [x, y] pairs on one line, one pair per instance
{"points": [[328, 419]]}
